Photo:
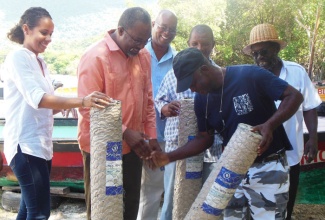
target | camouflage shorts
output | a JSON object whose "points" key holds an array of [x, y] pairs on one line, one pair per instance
{"points": [[263, 193]]}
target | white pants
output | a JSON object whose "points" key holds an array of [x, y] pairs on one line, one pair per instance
{"points": [[152, 188]]}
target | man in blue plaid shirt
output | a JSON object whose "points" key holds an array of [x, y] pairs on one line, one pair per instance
{"points": [[167, 104]]}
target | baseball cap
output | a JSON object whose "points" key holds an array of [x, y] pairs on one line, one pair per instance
{"points": [[185, 63]]}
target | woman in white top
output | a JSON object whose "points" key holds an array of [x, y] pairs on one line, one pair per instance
{"points": [[30, 105]]}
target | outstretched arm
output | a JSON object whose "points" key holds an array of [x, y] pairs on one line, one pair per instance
{"points": [[291, 100], [201, 142], [95, 99]]}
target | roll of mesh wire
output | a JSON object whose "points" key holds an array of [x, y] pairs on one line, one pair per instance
{"points": [[106, 179], [223, 181], [188, 175]]}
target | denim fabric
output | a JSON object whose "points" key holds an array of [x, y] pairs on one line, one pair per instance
{"points": [[169, 180], [152, 188], [33, 174]]}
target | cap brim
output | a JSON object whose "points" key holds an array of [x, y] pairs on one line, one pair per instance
{"points": [[184, 84], [247, 50]]}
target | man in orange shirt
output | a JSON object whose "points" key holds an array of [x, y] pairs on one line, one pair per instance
{"points": [[118, 67]]}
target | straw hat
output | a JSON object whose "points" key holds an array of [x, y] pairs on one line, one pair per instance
{"points": [[263, 33]]}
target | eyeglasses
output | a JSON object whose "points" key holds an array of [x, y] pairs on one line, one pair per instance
{"points": [[213, 132], [165, 29], [262, 52], [137, 42]]}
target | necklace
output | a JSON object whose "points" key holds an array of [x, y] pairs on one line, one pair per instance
{"points": [[220, 110], [221, 99]]}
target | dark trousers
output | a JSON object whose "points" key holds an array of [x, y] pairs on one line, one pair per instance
{"points": [[294, 181], [132, 168], [86, 170], [33, 174]]}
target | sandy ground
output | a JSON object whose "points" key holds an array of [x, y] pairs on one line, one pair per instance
{"points": [[73, 209], [309, 212], [68, 209]]}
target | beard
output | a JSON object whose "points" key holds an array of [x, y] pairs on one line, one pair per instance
{"points": [[269, 64]]}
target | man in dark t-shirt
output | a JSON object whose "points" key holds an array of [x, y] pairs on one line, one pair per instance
{"points": [[229, 96], [248, 97]]}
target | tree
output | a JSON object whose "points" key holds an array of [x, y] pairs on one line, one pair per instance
{"points": [[60, 62], [309, 19], [194, 12], [242, 16], [232, 20]]}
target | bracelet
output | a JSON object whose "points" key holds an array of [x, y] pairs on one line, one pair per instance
{"points": [[82, 102]]}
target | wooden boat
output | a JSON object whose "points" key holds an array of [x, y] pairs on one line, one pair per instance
{"points": [[67, 167], [67, 163], [319, 161], [311, 189]]}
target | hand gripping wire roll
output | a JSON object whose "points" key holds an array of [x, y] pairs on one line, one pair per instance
{"points": [[188, 175], [223, 181], [106, 178]]}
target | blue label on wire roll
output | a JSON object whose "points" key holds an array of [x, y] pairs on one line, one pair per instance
{"points": [[210, 210], [189, 138], [114, 190], [194, 165], [114, 175], [113, 151], [193, 175], [229, 179], [221, 191]]}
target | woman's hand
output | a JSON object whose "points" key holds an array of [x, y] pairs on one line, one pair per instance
{"points": [[97, 100]]}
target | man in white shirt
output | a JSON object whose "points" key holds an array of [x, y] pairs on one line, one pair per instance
{"points": [[264, 47]]}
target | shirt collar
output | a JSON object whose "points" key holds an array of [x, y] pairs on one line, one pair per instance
{"points": [[283, 72], [169, 55], [110, 42]]}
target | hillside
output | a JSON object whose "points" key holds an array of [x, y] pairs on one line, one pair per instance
{"points": [[77, 22]]}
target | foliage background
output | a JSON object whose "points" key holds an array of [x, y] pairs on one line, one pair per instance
{"points": [[231, 21]]}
